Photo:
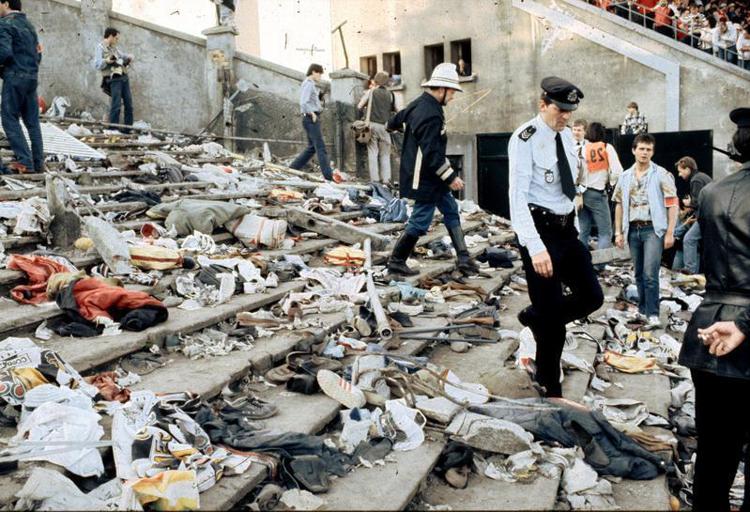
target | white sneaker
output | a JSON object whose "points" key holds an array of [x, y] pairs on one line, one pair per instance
{"points": [[654, 322]]}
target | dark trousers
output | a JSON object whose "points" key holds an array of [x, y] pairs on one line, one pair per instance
{"points": [[19, 101], [315, 145], [121, 97], [421, 215], [723, 424], [571, 265]]}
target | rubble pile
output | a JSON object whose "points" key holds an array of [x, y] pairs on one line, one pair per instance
{"points": [[221, 331]]}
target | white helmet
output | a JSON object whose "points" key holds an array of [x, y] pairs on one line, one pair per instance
{"points": [[444, 75]]}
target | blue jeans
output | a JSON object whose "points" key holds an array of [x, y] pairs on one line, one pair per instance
{"points": [[121, 97], [729, 54], [687, 257], [315, 145], [690, 248], [421, 215], [646, 249], [19, 101], [595, 209]]}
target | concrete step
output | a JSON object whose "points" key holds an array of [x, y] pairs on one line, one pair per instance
{"points": [[393, 486], [389, 487], [88, 353], [483, 493]]}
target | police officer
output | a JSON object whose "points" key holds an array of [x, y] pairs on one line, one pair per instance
{"points": [[716, 346], [426, 174], [543, 166]]}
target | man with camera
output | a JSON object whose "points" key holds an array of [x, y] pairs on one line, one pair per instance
{"points": [[20, 55], [114, 63]]}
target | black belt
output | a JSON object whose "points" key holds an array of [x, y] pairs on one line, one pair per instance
{"points": [[641, 224], [732, 298], [547, 218], [311, 113]]}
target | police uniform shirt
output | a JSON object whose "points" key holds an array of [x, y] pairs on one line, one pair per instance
{"points": [[535, 179]]}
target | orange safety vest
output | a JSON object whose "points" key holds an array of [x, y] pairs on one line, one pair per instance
{"points": [[597, 159]]}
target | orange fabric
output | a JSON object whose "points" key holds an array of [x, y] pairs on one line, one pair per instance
{"points": [[106, 383], [38, 269], [597, 159], [95, 298], [661, 17], [671, 201]]}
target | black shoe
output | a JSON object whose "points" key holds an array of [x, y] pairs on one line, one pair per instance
{"points": [[466, 263], [401, 252]]}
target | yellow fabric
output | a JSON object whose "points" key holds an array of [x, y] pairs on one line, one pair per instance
{"points": [[629, 364], [171, 490], [345, 256], [154, 257]]}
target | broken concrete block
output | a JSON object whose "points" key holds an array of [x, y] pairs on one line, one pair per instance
{"points": [[509, 383], [489, 434], [439, 409], [109, 244]]}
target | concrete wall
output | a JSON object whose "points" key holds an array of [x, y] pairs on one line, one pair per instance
{"points": [[170, 76], [513, 49]]}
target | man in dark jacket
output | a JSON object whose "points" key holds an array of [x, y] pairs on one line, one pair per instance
{"points": [[688, 229], [20, 55], [716, 346], [426, 174]]}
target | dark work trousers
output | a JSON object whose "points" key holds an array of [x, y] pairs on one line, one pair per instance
{"points": [[722, 420], [19, 101], [121, 97], [315, 145], [571, 265]]}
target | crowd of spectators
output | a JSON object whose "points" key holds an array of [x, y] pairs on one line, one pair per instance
{"points": [[713, 26]]}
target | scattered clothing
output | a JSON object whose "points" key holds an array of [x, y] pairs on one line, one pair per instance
{"points": [[38, 269]]}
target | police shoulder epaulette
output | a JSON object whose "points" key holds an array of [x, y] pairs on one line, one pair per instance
{"points": [[527, 133]]}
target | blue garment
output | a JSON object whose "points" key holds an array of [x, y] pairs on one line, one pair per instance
{"points": [[595, 209], [19, 45], [421, 215], [655, 199], [315, 145], [121, 96], [19, 101], [646, 250], [309, 101], [19, 53], [535, 178]]}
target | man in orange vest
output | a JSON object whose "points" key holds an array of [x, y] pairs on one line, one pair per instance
{"points": [[601, 168]]}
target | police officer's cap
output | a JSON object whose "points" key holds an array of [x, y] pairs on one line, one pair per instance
{"points": [[561, 92], [740, 117]]}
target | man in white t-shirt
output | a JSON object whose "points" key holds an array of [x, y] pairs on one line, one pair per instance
{"points": [[743, 48]]}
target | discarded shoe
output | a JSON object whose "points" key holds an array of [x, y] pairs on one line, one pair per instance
{"points": [[303, 383], [458, 478], [310, 472], [268, 497], [280, 374], [340, 390], [253, 408], [311, 363]]}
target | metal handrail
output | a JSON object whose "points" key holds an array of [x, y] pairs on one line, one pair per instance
{"points": [[636, 16]]}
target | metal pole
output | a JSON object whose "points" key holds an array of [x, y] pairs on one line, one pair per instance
{"points": [[383, 325]]}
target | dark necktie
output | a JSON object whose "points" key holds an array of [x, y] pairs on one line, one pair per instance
{"points": [[563, 167]]}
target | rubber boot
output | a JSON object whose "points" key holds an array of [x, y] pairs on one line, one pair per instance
{"points": [[466, 263], [401, 252]]}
